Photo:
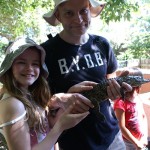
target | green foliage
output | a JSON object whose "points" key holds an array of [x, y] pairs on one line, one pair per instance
{"points": [[137, 41], [137, 46], [2, 50], [116, 10], [20, 17], [126, 55], [24, 17], [140, 46]]}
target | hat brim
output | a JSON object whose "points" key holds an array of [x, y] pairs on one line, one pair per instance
{"points": [[11, 56], [96, 9]]}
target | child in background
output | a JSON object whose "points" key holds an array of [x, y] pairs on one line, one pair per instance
{"points": [[25, 97], [131, 116]]}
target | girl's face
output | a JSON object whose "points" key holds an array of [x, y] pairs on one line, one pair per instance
{"points": [[130, 96], [26, 68]]}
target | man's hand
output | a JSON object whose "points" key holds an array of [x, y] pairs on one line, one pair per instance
{"points": [[82, 86], [114, 89], [65, 119]]}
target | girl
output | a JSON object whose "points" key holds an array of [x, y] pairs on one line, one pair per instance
{"points": [[132, 118], [25, 95]]}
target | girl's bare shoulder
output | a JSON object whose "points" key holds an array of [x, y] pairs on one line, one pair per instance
{"points": [[10, 108]]}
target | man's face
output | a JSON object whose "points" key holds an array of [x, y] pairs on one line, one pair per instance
{"points": [[75, 16]]}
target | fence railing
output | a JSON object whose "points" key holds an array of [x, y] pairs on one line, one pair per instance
{"points": [[141, 63]]}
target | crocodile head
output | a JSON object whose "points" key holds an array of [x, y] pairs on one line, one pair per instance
{"points": [[135, 81]]}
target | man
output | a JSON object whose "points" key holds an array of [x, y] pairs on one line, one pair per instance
{"points": [[74, 56]]}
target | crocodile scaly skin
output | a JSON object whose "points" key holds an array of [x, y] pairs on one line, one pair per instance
{"points": [[99, 91]]}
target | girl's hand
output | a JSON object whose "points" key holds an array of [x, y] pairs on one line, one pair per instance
{"points": [[63, 101], [65, 119]]}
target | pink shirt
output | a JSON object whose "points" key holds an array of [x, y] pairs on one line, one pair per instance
{"points": [[133, 115]]}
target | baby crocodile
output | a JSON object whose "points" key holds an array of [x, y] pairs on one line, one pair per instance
{"points": [[99, 92]]}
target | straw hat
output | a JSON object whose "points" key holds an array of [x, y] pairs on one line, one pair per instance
{"points": [[17, 48], [96, 9]]}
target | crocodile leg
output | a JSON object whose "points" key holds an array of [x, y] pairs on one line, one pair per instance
{"points": [[96, 110]]}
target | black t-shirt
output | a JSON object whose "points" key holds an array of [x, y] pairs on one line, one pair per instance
{"points": [[71, 64]]}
